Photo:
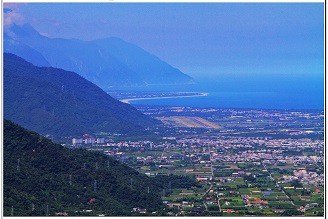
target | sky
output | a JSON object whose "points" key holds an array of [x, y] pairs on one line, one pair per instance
{"points": [[278, 40]]}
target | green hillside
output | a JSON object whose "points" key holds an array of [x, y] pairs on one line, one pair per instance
{"points": [[39, 173], [62, 103]]}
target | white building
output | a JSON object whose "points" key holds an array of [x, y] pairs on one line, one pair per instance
{"points": [[76, 141], [100, 141]]}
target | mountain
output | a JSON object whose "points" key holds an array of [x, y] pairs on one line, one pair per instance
{"points": [[62, 103], [22, 50], [39, 173], [105, 62]]}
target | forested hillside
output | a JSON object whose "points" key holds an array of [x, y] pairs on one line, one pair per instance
{"points": [[62, 103], [42, 177]]}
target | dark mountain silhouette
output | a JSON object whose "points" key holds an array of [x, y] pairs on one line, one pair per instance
{"points": [[62, 103], [41, 176], [64, 179]]}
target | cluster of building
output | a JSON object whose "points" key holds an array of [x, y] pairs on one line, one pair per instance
{"points": [[306, 177], [88, 140]]}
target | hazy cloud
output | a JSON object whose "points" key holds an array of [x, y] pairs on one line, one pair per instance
{"points": [[7, 10], [12, 15]]}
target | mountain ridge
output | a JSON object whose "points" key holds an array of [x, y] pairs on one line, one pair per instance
{"points": [[106, 62], [62, 103]]}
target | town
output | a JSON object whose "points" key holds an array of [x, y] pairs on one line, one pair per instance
{"points": [[245, 162]]}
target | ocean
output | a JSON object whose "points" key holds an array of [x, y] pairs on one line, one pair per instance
{"points": [[258, 93]]}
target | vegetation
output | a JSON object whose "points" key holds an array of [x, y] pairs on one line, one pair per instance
{"points": [[42, 177], [61, 103]]}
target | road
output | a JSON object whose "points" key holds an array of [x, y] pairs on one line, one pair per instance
{"points": [[277, 185]]}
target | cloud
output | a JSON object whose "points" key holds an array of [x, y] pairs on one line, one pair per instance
{"points": [[12, 15], [7, 10], [10, 18], [13, 6]]}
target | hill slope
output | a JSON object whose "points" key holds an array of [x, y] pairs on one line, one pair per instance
{"points": [[105, 62], [39, 173], [61, 103], [44, 173], [22, 50]]}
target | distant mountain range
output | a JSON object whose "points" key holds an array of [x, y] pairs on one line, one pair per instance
{"points": [[62, 103], [105, 62]]}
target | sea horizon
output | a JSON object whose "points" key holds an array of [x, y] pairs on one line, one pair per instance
{"points": [[288, 97]]}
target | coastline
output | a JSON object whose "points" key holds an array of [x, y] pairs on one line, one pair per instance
{"points": [[152, 98]]}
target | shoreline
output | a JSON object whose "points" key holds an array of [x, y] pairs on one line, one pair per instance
{"points": [[153, 98]]}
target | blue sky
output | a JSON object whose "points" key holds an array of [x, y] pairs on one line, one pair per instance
{"points": [[201, 39]]}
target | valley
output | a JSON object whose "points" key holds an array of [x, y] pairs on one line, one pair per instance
{"points": [[163, 109], [246, 167]]}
